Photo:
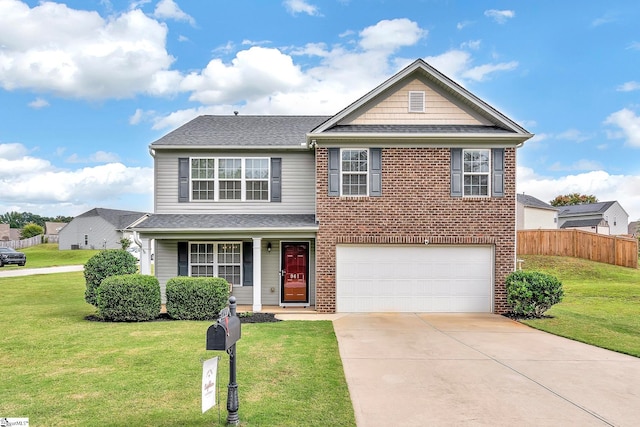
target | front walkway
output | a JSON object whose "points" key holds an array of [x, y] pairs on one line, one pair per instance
{"points": [[480, 370]]}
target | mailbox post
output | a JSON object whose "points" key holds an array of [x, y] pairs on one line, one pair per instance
{"points": [[223, 335]]}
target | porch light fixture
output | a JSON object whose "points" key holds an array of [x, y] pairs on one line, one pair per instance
{"points": [[269, 247]]}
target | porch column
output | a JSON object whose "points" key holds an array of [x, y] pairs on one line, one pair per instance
{"points": [[145, 256], [257, 274]]}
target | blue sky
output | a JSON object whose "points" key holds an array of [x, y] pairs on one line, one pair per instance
{"points": [[87, 85]]}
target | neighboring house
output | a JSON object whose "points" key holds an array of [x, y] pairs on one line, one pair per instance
{"points": [[8, 233], [534, 214], [52, 229], [4, 232], [602, 218], [634, 228], [403, 201], [98, 228]]}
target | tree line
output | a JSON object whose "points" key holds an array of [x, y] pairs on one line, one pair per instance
{"points": [[21, 219]]}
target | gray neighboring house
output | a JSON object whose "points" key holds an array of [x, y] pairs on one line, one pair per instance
{"points": [[634, 228], [534, 214], [98, 228], [602, 218]]}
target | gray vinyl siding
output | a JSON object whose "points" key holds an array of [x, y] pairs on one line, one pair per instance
{"points": [[298, 184], [166, 267], [101, 234]]}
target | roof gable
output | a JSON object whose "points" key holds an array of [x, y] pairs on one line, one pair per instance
{"points": [[447, 103]]}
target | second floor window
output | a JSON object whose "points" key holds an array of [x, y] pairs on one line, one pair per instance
{"points": [[476, 171], [354, 172], [221, 179]]}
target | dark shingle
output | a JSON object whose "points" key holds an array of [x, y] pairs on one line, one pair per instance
{"points": [[589, 208], [242, 131], [582, 223], [532, 202], [118, 218], [226, 221]]}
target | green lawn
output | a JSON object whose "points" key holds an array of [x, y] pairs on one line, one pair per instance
{"points": [[59, 369], [48, 255], [601, 304]]}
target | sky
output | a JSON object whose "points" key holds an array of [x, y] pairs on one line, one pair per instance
{"points": [[87, 85]]}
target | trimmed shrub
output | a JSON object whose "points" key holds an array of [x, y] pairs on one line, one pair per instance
{"points": [[109, 262], [129, 298], [531, 293], [196, 298]]}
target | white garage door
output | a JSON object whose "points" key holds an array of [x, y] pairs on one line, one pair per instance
{"points": [[392, 278]]}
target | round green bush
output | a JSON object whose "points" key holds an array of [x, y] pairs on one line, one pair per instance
{"points": [[109, 262], [531, 293], [129, 298], [196, 298]]}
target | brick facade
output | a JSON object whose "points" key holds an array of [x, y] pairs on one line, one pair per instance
{"points": [[416, 205]]}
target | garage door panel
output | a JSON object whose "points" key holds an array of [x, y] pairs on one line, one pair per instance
{"points": [[396, 278]]}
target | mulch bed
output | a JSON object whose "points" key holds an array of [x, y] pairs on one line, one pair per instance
{"points": [[244, 318]]}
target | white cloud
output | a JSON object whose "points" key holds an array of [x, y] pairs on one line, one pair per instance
{"points": [[390, 35], [80, 55], [97, 157], [634, 46], [500, 16], [39, 103], [628, 124], [623, 188], [580, 165], [480, 72], [463, 24], [168, 9], [471, 44], [628, 86], [34, 182], [574, 135], [301, 6]]}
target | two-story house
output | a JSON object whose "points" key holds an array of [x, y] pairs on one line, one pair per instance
{"points": [[403, 201], [608, 218]]}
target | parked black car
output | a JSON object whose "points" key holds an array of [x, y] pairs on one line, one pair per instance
{"points": [[11, 256]]}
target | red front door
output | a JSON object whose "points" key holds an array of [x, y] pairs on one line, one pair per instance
{"points": [[295, 272]]}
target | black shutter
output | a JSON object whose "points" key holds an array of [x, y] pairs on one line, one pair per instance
{"points": [[334, 171], [375, 177], [247, 263], [276, 179], [183, 179], [497, 178], [456, 172], [183, 259]]}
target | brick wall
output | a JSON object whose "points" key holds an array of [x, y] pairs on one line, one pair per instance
{"points": [[415, 206]]}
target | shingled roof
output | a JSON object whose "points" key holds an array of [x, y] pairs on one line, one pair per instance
{"points": [[589, 208], [118, 218], [217, 222], [532, 202], [241, 131]]}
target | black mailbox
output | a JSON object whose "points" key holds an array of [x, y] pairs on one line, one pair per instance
{"points": [[224, 333]]}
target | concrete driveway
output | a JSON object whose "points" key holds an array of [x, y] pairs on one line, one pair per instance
{"points": [[480, 370]]}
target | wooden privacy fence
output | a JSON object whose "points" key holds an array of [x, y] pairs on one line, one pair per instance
{"points": [[616, 250]]}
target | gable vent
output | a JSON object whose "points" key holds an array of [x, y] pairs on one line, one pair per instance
{"points": [[416, 102]]}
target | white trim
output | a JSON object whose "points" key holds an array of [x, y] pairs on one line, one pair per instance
{"points": [[487, 174], [214, 264], [342, 173], [257, 274], [294, 304], [216, 179]]}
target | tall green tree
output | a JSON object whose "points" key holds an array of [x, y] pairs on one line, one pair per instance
{"points": [[31, 230], [573, 199]]}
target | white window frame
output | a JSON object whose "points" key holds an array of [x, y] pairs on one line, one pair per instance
{"points": [[243, 179], [366, 173], [215, 264], [486, 173], [412, 94]]}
